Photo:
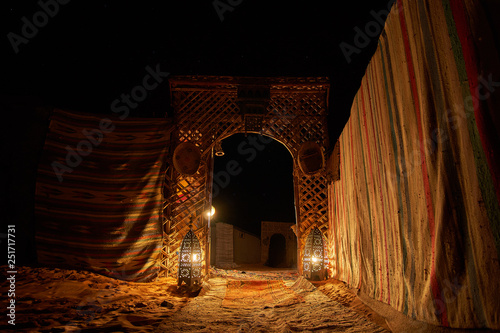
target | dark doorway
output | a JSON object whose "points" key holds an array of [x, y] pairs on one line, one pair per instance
{"points": [[277, 251], [253, 182], [291, 253]]}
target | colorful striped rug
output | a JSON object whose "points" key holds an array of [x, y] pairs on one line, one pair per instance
{"points": [[253, 275], [259, 293]]}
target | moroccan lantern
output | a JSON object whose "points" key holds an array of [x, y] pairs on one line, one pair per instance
{"points": [[190, 260], [315, 259]]}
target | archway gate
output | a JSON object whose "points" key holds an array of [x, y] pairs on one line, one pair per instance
{"points": [[208, 109]]}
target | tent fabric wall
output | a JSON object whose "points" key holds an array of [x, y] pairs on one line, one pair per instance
{"points": [[414, 219], [99, 194]]}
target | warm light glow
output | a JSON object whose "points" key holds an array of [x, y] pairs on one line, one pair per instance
{"points": [[211, 212], [195, 257], [314, 259]]}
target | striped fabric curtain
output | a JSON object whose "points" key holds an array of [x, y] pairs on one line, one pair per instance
{"points": [[99, 194], [415, 217]]}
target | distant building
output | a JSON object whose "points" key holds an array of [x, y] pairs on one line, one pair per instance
{"points": [[276, 247], [231, 245], [278, 244], [246, 247]]}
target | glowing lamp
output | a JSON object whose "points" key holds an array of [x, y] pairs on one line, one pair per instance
{"points": [[315, 259], [211, 212]]}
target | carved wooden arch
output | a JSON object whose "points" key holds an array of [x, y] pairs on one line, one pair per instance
{"points": [[206, 110]]}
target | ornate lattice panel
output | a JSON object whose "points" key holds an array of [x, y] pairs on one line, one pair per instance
{"points": [[190, 260], [186, 202], [206, 110]]}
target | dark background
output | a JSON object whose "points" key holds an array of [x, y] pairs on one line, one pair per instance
{"points": [[91, 52], [261, 191]]}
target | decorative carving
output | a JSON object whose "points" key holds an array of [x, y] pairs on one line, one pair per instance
{"points": [[187, 158], [253, 98], [311, 159]]}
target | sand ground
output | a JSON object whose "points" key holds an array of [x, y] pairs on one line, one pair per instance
{"points": [[62, 300]]}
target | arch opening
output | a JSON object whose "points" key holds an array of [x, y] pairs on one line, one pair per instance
{"points": [[277, 251], [252, 182], [294, 114]]}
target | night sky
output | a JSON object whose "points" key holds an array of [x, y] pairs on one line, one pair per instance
{"points": [[89, 52], [82, 55]]}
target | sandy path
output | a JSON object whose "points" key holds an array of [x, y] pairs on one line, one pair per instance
{"points": [[318, 313], [58, 300]]}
